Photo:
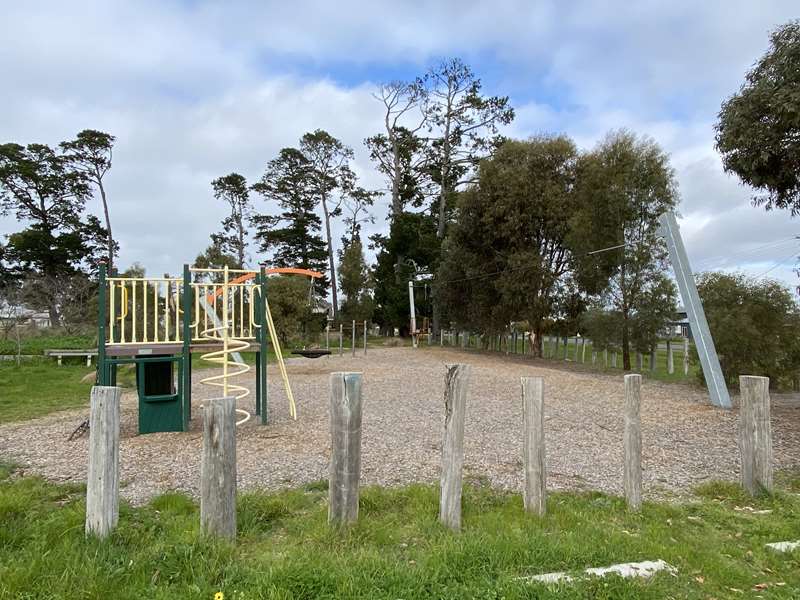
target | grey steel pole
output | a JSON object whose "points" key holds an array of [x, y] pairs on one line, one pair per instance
{"points": [[694, 310]]}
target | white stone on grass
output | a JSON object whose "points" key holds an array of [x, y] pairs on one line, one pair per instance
{"points": [[646, 568], [784, 546]]}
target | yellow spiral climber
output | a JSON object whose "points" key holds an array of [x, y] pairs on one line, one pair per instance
{"points": [[222, 357]]}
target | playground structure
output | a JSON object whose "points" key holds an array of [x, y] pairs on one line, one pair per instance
{"points": [[157, 323]]}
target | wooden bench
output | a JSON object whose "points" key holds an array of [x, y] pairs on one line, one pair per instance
{"points": [[59, 354]]}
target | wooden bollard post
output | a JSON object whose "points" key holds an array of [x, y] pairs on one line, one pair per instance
{"points": [[455, 408], [614, 359], [345, 468], [670, 358], [102, 481], [755, 434], [218, 468], [639, 361], [633, 442], [583, 350], [594, 357], [533, 447]]}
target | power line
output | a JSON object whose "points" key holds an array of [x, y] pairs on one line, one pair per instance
{"points": [[777, 264]]}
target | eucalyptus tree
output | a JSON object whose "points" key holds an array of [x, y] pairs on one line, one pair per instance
{"points": [[624, 185], [758, 132], [90, 153], [510, 248], [233, 190], [330, 179]]}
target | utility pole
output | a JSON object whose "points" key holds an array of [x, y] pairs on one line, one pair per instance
{"points": [[413, 313]]}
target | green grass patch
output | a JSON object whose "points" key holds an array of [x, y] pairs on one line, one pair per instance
{"points": [[38, 387], [37, 344], [285, 548]]}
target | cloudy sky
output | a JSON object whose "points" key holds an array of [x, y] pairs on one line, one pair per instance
{"points": [[193, 90]]}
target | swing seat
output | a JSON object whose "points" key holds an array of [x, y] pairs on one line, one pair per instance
{"points": [[315, 353]]}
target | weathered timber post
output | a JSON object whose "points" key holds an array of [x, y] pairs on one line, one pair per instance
{"points": [[533, 447], [614, 359], [686, 356], [594, 356], [555, 350], [102, 481], [605, 358], [633, 442], [455, 407], [218, 468], [639, 361], [353, 341], [670, 358], [653, 359], [583, 350], [345, 468], [566, 347], [755, 434], [365, 337], [328, 337], [341, 339]]}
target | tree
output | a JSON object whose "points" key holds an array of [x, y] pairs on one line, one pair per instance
{"points": [[215, 257], [464, 125], [233, 190], [464, 128], [40, 186], [625, 185], [410, 247], [90, 153], [509, 250], [758, 132], [399, 152], [755, 325], [294, 234], [291, 311], [357, 203], [329, 170], [355, 283]]}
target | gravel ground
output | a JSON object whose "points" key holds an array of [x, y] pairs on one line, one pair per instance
{"points": [[685, 440]]}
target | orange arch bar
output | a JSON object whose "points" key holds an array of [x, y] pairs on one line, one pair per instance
{"points": [[273, 271]]}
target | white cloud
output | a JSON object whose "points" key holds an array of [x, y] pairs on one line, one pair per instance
{"points": [[196, 90]]}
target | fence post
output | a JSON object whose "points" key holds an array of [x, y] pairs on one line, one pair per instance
{"points": [[533, 447], [353, 342], [583, 350], [605, 358], [755, 434], [633, 442], [345, 467], [686, 357], [102, 481], [455, 406], [218, 468], [670, 358], [614, 359], [639, 361], [328, 336], [341, 339], [594, 356], [365, 336]]}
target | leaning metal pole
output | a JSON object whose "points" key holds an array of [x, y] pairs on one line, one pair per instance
{"points": [[694, 310]]}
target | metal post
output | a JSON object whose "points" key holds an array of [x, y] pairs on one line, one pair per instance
{"points": [[102, 375], [694, 310], [262, 315], [186, 300], [413, 313]]}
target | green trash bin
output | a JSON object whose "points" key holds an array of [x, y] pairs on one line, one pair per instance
{"points": [[160, 403]]}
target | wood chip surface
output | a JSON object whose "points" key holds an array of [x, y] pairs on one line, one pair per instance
{"points": [[685, 440]]}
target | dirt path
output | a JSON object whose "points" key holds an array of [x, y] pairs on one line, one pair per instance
{"points": [[685, 440]]}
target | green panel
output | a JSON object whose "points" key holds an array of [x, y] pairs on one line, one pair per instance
{"points": [[160, 405]]}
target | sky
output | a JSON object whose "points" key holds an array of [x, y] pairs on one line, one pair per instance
{"points": [[194, 90]]}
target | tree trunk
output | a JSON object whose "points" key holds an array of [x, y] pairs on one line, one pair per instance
{"points": [[626, 344], [330, 259], [397, 207], [536, 346], [110, 240]]}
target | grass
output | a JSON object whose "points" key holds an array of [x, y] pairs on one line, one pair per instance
{"points": [[285, 548], [37, 344], [38, 387]]}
